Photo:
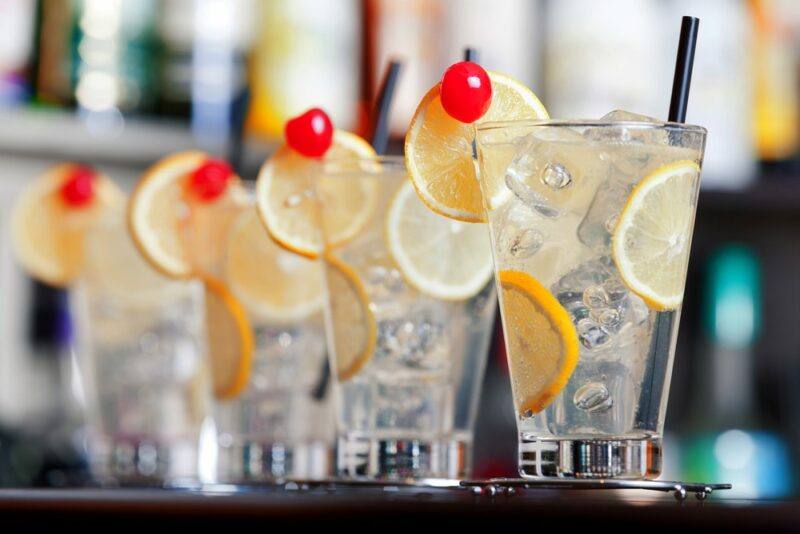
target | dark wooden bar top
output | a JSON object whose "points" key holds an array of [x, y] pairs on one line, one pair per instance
{"points": [[388, 510]]}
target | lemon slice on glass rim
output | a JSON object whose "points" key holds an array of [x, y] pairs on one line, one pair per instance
{"points": [[438, 148], [285, 192], [47, 235]]}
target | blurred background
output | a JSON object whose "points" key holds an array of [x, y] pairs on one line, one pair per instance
{"points": [[120, 83]]}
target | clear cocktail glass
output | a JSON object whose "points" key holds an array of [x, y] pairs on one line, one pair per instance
{"points": [[591, 226], [143, 364], [409, 318], [280, 424]]}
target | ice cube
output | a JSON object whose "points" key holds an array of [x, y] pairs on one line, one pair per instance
{"points": [[628, 133], [530, 198], [415, 341], [543, 169], [589, 273], [573, 303], [620, 115], [608, 201]]}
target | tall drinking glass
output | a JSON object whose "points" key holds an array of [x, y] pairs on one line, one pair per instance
{"points": [[143, 363], [591, 226], [409, 318], [281, 424]]}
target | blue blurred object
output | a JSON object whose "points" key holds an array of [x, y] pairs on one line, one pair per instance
{"points": [[732, 446]]}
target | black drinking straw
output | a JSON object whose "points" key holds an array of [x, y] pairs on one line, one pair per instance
{"points": [[379, 139], [656, 374], [239, 108], [683, 69], [471, 54], [379, 121]]}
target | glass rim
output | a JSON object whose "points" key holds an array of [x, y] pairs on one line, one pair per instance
{"points": [[378, 163], [589, 123]]}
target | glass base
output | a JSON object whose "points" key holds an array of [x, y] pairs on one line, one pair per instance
{"points": [[130, 462], [402, 459], [253, 462], [623, 458]]}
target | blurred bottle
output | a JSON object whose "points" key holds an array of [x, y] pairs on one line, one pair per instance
{"points": [[221, 36], [16, 40], [413, 31], [600, 59], [175, 28], [731, 443], [114, 46], [53, 61], [507, 35], [306, 55], [722, 88], [774, 59]]}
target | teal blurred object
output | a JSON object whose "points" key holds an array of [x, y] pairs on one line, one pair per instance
{"points": [[732, 299], [729, 444]]}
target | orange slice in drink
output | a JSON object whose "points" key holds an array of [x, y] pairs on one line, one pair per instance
{"points": [[541, 340], [47, 234], [438, 148], [274, 284], [161, 217], [286, 200], [230, 340], [353, 323]]}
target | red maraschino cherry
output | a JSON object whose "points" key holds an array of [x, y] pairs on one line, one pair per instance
{"points": [[210, 179], [466, 91], [77, 190], [310, 134]]}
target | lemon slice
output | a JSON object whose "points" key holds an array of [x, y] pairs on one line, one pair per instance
{"points": [[114, 268], [230, 340], [272, 283], [443, 258], [159, 213], [286, 201], [47, 235], [541, 340], [438, 148], [653, 234], [353, 324]]}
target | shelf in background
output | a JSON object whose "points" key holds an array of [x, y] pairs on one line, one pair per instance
{"points": [[772, 192], [58, 135]]}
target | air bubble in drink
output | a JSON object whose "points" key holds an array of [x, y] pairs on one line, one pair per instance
{"points": [[591, 334], [524, 244], [593, 397], [556, 176], [595, 297]]}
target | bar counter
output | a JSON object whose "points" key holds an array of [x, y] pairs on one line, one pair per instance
{"points": [[388, 509]]}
